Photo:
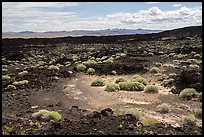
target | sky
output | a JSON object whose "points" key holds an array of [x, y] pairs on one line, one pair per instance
{"points": [[68, 16]]}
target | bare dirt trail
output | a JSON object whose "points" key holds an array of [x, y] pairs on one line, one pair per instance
{"points": [[96, 98]]}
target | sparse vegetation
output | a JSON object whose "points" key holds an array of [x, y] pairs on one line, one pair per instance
{"points": [[140, 80], [18, 83], [90, 71], [188, 93], [154, 70], [198, 113], [81, 67], [131, 86], [149, 121], [194, 66], [112, 87], [6, 77], [158, 64], [131, 111], [151, 89], [172, 75], [189, 120], [120, 79], [23, 73], [54, 68], [199, 95], [98, 82], [47, 115], [164, 108], [11, 87]]}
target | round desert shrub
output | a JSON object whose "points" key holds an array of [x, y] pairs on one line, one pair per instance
{"points": [[151, 89], [112, 87], [158, 64], [130, 111], [120, 79], [140, 86], [90, 71], [199, 95], [136, 76], [140, 80], [47, 115], [6, 77], [154, 70], [188, 93], [53, 68], [189, 120], [131, 86], [23, 73], [11, 87], [194, 66], [172, 75], [90, 62], [198, 113], [81, 67], [149, 121], [164, 108], [127, 86], [18, 83], [98, 82]]}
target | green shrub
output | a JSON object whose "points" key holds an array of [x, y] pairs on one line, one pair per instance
{"points": [[98, 82], [149, 121], [23, 82], [109, 60], [150, 53], [120, 79], [151, 89], [90, 71], [167, 81], [189, 120], [190, 61], [154, 70], [194, 66], [112, 87], [23, 73], [172, 75], [54, 68], [4, 70], [158, 64], [140, 86], [6, 77], [198, 113], [199, 95], [41, 63], [140, 80], [90, 62], [11, 87], [188, 93], [136, 76], [131, 111], [81, 67], [47, 115], [131, 86], [164, 108]]}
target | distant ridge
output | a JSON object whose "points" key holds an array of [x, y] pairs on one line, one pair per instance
{"points": [[195, 32], [52, 34]]}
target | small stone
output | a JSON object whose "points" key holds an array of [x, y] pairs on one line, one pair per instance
{"points": [[114, 72], [70, 72], [34, 107]]}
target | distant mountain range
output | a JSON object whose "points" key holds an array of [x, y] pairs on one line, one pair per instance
{"points": [[106, 32]]}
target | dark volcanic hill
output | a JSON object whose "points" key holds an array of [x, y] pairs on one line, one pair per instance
{"points": [[181, 33], [184, 32]]}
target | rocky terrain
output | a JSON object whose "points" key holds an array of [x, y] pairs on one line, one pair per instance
{"points": [[39, 74]]}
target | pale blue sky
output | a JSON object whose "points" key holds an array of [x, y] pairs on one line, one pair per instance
{"points": [[59, 16]]}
